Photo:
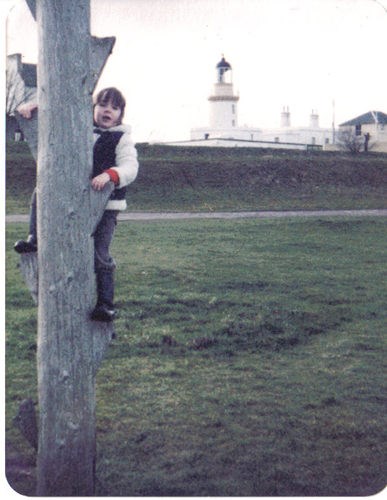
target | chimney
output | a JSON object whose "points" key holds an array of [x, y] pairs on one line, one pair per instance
{"points": [[313, 123], [285, 117]]}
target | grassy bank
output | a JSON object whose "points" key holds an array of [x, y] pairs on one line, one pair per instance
{"points": [[210, 179], [249, 360]]}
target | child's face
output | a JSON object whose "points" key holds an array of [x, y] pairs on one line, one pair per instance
{"points": [[106, 115]]}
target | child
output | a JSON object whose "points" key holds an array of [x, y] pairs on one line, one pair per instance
{"points": [[114, 159]]}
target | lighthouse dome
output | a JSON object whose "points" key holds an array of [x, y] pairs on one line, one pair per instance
{"points": [[223, 64], [223, 71]]}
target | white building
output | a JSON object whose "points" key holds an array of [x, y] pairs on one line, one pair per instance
{"points": [[223, 126], [371, 126]]}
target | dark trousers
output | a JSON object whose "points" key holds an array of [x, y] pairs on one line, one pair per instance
{"points": [[104, 264], [33, 229]]}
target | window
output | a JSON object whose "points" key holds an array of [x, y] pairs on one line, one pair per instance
{"points": [[233, 109], [358, 129], [326, 140], [276, 139], [233, 123]]}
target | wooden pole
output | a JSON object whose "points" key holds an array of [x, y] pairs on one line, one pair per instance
{"points": [[70, 346]]}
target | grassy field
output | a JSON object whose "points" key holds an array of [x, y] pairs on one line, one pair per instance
{"points": [[209, 179], [250, 354], [249, 360]]}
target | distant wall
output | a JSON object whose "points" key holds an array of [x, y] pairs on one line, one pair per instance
{"points": [[295, 136], [234, 143]]}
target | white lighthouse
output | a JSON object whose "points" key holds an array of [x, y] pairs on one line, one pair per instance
{"points": [[223, 102]]}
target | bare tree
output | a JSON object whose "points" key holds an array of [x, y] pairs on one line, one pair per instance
{"points": [[381, 5], [347, 140], [15, 88]]}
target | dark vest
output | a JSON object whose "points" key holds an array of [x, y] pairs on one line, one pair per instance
{"points": [[104, 157]]}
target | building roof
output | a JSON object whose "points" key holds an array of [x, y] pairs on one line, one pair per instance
{"points": [[368, 118]]}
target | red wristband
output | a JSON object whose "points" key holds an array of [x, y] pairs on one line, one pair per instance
{"points": [[114, 177]]}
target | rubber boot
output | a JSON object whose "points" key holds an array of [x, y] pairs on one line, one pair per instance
{"points": [[31, 243], [26, 246], [104, 310]]}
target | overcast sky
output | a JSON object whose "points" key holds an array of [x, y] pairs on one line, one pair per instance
{"points": [[298, 53]]}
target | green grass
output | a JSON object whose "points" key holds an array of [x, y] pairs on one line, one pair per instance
{"points": [[210, 179], [249, 360]]}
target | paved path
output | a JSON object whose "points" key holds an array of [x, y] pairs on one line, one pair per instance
{"points": [[151, 216]]}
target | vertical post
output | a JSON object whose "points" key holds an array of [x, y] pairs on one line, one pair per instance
{"points": [[66, 337]]}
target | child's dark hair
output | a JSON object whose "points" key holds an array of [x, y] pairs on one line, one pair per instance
{"points": [[114, 96]]}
